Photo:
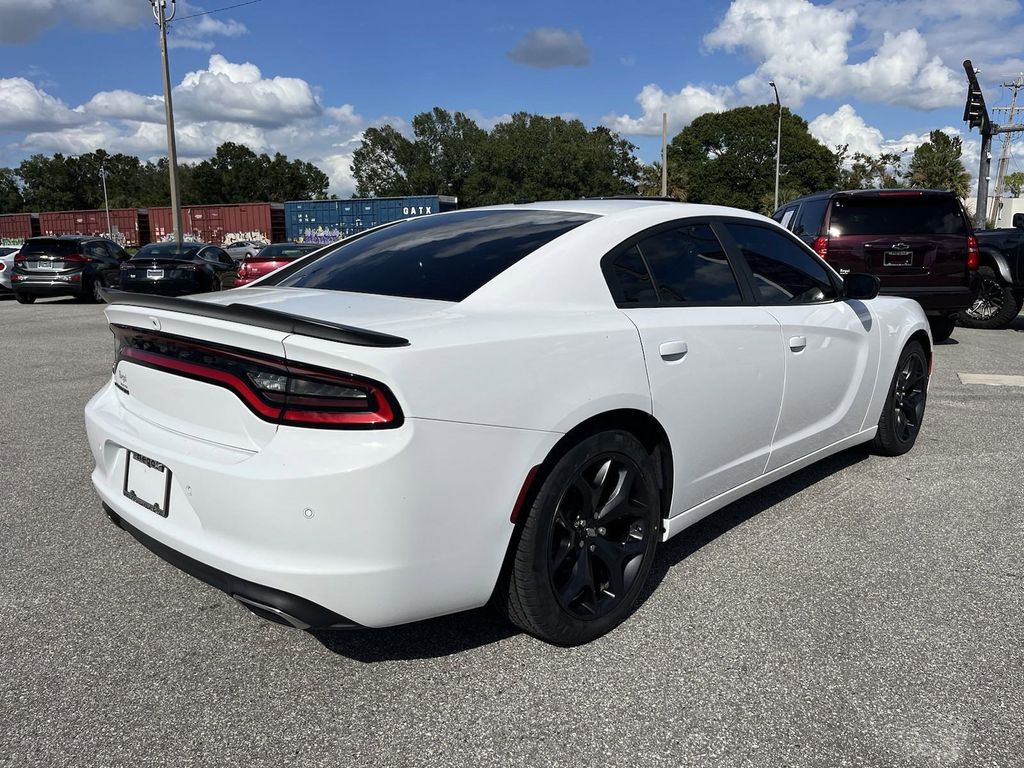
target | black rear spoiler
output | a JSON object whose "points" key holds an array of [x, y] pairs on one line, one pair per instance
{"points": [[258, 316]]}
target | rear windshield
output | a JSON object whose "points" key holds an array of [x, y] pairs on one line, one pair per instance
{"points": [[444, 257], [286, 251], [166, 251], [52, 247], [896, 215]]}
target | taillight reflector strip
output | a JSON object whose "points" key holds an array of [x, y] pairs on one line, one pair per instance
{"points": [[295, 395]]}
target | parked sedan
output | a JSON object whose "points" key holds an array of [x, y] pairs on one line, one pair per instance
{"points": [[270, 258], [69, 265], [514, 403], [240, 249], [7, 254], [173, 270]]}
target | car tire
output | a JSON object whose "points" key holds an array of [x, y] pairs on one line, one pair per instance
{"points": [[996, 306], [942, 327], [24, 299], [588, 541], [94, 291], [903, 412]]}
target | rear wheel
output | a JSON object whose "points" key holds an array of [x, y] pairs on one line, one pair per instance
{"points": [[942, 327], [588, 543], [996, 306], [903, 412], [97, 286], [23, 299]]}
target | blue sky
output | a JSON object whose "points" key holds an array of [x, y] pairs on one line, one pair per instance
{"points": [[305, 77]]}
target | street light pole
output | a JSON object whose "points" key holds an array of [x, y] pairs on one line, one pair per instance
{"points": [[778, 144], [106, 207], [162, 19]]}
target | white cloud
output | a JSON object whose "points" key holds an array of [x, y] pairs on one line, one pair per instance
{"points": [[195, 32], [682, 107], [126, 105], [547, 48], [21, 21], [240, 93], [845, 126], [24, 107]]}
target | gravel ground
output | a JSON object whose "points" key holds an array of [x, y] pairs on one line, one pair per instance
{"points": [[866, 611]]}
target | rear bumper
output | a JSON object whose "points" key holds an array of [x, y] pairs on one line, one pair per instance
{"points": [[162, 287], [329, 526], [47, 286], [937, 299]]}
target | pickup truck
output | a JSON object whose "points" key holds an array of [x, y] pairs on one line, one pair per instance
{"points": [[1001, 277]]}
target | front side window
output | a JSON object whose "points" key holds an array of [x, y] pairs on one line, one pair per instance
{"points": [[784, 273], [689, 266], [444, 257]]}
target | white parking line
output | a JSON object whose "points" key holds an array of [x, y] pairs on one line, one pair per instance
{"points": [[992, 379]]}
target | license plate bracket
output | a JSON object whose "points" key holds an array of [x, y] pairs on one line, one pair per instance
{"points": [[154, 274], [898, 258], [147, 482]]}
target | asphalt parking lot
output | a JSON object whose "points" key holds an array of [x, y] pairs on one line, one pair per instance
{"points": [[864, 612]]}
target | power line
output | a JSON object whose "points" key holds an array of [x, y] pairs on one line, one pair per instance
{"points": [[218, 10]]}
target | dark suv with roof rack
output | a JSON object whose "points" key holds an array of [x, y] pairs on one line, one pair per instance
{"points": [[69, 265], [919, 242]]}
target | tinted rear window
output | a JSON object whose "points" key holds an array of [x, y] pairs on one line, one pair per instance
{"points": [[165, 251], [435, 257], [896, 215], [52, 247]]}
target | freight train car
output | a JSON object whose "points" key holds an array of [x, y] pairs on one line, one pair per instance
{"points": [[128, 226], [324, 221], [222, 224], [16, 228]]}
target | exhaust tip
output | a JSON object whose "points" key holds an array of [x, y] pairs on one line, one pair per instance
{"points": [[271, 613]]}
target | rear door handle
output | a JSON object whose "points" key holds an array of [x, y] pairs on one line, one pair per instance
{"points": [[673, 351], [797, 343]]}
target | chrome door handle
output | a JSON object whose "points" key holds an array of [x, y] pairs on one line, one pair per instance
{"points": [[673, 351], [797, 343]]}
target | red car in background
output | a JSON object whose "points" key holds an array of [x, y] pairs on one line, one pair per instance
{"points": [[273, 256]]}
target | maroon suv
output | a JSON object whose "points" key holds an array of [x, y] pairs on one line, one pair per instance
{"points": [[918, 242]]}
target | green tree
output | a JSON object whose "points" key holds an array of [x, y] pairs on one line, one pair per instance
{"points": [[728, 158], [864, 171], [1014, 182], [936, 164], [11, 200], [383, 163]]}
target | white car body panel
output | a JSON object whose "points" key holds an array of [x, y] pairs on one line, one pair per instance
{"points": [[415, 521]]}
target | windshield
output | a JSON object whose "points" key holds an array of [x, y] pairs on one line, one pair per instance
{"points": [[444, 257], [896, 215], [166, 251]]}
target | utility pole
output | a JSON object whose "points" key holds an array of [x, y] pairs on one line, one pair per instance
{"points": [[778, 144], [664, 154], [162, 20], [1004, 156], [106, 207]]}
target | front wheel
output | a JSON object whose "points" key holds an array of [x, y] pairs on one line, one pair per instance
{"points": [[903, 412], [996, 305], [588, 542]]}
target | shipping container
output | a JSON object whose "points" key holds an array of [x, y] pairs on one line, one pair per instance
{"points": [[128, 226], [16, 228], [222, 224], [324, 221]]}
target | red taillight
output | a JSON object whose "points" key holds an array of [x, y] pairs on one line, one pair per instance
{"points": [[821, 247], [244, 271], [972, 252], [20, 257], [3, 266], [272, 388]]}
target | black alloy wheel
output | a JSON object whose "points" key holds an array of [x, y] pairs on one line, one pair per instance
{"points": [[97, 286], [903, 412], [996, 304], [588, 544]]}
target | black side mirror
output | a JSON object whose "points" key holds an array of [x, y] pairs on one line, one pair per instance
{"points": [[1018, 220], [861, 286]]}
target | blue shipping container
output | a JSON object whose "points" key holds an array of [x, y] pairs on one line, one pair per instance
{"points": [[324, 221]]}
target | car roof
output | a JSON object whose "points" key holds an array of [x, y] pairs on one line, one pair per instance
{"points": [[615, 206], [897, 192], [67, 238]]}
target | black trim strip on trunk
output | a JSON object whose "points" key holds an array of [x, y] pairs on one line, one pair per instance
{"points": [[258, 316]]}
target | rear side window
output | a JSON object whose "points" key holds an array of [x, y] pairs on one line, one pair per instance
{"points": [[784, 273], [435, 257], [630, 281], [689, 265], [812, 212], [896, 215]]}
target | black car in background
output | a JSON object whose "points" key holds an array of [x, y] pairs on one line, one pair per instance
{"points": [[1001, 277], [173, 270], [918, 242], [69, 265]]}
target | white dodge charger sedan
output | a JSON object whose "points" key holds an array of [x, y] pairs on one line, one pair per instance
{"points": [[513, 403]]}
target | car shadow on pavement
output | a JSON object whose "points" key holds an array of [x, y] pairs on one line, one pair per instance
{"points": [[448, 635], [429, 639], [694, 538]]}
